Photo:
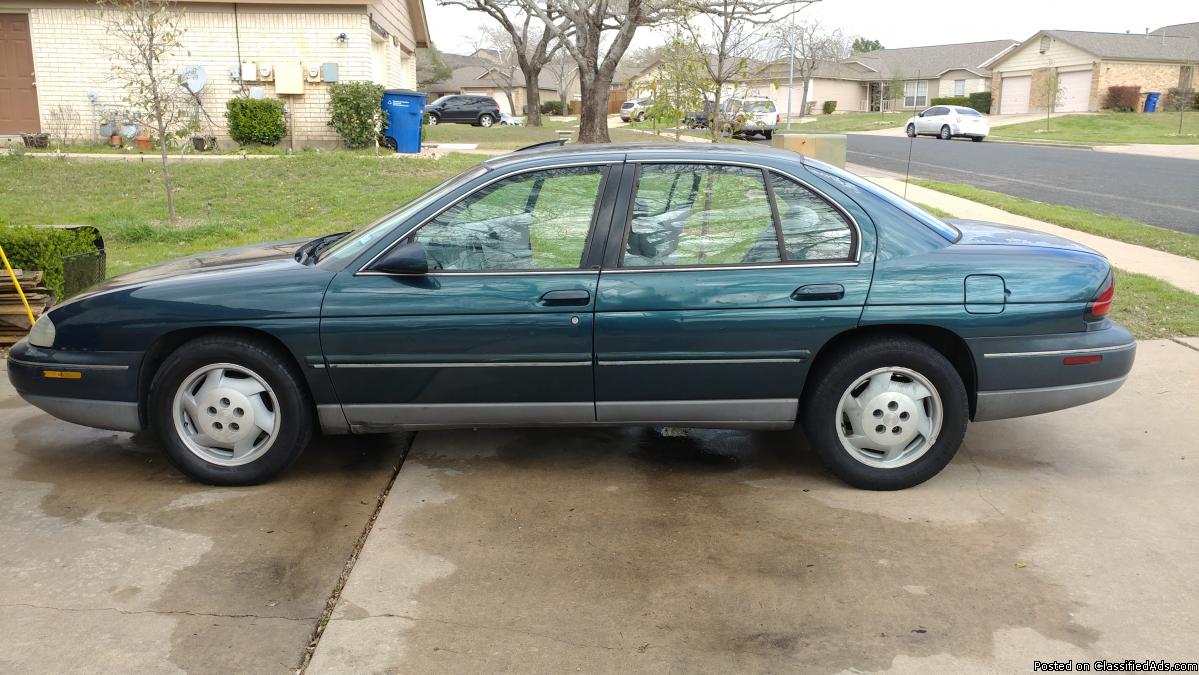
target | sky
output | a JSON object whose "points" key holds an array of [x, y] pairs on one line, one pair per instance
{"points": [[899, 24]]}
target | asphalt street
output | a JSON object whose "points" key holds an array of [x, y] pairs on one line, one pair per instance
{"points": [[1154, 190]]}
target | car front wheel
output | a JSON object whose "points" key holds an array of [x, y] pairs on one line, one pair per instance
{"points": [[886, 413], [945, 133], [433, 120], [230, 410], [911, 131]]}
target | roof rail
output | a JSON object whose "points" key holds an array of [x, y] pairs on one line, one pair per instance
{"points": [[543, 144]]}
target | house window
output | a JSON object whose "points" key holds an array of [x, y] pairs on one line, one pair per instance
{"points": [[959, 87], [915, 93]]}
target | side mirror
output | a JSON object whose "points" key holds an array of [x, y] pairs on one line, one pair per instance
{"points": [[407, 258], [921, 114]]}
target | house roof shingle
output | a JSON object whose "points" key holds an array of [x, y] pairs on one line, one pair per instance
{"points": [[929, 61], [1156, 46]]}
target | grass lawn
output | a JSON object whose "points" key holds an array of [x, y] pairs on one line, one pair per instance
{"points": [[851, 121], [1113, 227], [1107, 128], [220, 204]]}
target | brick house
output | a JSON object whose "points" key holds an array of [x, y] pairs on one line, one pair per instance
{"points": [[482, 74], [1088, 63], [53, 52]]}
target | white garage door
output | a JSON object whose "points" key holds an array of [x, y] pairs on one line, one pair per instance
{"points": [[1076, 91], [1013, 94]]}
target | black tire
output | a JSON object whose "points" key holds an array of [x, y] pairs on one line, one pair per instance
{"points": [[836, 372], [434, 120], [768, 134], [486, 120], [977, 139], [641, 117], [911, 131], [945, 133], [275, 368]]}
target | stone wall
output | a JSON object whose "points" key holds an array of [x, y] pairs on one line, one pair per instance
{"points": [[1158, 77]]}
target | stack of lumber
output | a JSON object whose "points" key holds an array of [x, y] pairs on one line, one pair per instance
{"points": [[14, 322]]}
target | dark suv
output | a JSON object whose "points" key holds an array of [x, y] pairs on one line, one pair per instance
{"points": [[464, 109]]}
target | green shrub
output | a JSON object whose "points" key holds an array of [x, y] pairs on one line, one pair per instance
{"points": [[255, 120], [43, 248], [551, 108], [829, 107], [963, 101], [1122, 98], [981, 101], [1180, 100], [357, 112]]}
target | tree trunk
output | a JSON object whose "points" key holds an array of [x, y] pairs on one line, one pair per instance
{"points": [[511, 101], [593, 117], [533, 96]]}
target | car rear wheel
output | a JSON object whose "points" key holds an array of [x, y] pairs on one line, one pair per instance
{"points": [[911, 131], [768, 134], [885, 413], [230, 410], [433, 120], [486, 120], [977, 139], [945, 133], [641, 117]]}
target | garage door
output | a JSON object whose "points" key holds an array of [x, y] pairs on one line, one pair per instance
{"points": [[1076, 91], [1013, 95]]}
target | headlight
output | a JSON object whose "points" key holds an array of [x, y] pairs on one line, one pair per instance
{"points": [[42, 333]]}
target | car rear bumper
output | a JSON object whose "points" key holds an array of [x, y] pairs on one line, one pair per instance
{"points": [[95, 389], [1033, 375]]}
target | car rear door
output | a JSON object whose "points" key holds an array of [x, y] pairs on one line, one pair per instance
{"points": [[499, 332], [701, 315]]}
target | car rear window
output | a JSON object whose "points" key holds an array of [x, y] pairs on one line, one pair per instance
{"points": [[757, 106], [969, 111], [838, 177]]}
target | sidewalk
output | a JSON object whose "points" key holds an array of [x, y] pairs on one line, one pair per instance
{"points": [[1178, 270]]}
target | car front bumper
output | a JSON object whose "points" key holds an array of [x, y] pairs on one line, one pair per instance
{"points": [[1019, 376], [95, 389]]}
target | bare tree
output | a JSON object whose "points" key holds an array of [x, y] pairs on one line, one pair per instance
{"points": [[532, 44], [810, 44], [502, 66], [148, 34], [1048, 92], [680, 82], [62, 120], [566, 71]]}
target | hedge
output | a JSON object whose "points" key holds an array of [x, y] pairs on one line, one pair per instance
{"points": [[1122, 98], [255, 120], [981, 101], [963, 101], [43, 248], [357, 112], [551, 108], [829, 107]]}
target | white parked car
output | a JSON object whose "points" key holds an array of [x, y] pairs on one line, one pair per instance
{"points": [[507, 120], [947, 121]]}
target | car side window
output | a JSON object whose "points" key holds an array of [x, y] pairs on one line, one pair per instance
{"points": [[538, 220], [813, 229], [700, 214]]}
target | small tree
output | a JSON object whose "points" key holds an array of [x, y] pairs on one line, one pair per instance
{"points": [[431, 68], [502, 72], [1048, 92], [862, 45], [809, 44], [147, 36], [892, 90], [680, 80], [62, 120]]}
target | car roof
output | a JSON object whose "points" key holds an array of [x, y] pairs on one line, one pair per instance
{"points": [[658, 151]]}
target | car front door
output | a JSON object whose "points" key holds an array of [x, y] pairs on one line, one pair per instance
{"points": [[457, 110], [498, 332], [717, 291], [930, 123]]}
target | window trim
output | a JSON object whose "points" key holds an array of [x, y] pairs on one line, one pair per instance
{"points": [[855, 230], [605, 176]]}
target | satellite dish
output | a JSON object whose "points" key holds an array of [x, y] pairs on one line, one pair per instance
{"points": [[194, 78]]}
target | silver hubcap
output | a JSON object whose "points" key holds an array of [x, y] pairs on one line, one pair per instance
{"points": [[226, 414], [889, 417], [486, 121]]}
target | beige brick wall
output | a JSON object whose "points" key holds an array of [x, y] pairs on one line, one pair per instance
{"points": [[71, 58], [1150, 76]]}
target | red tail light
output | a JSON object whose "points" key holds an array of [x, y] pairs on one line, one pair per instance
{"points": [[1102, 304]]}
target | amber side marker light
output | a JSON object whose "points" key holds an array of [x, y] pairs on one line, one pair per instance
{"points": [[62, 374], [1082, 360]]}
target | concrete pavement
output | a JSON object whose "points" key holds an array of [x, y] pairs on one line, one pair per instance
{"points": [[114, 562], [1181, 271], [1069, 535]]}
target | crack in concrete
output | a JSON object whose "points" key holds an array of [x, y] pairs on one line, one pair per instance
{"points": [[978, 479], [153, 612]]}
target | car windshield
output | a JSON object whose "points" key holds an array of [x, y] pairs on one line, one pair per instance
{"points": [[354, 243], [757, 106], [949, 232]]}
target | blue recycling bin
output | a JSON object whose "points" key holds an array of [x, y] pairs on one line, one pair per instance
{"points": [[1151, 101], [405, 110]]}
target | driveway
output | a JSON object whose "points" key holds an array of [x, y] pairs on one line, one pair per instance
{"points": [[114, 562], [1064, 536], [1155, 190]]}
